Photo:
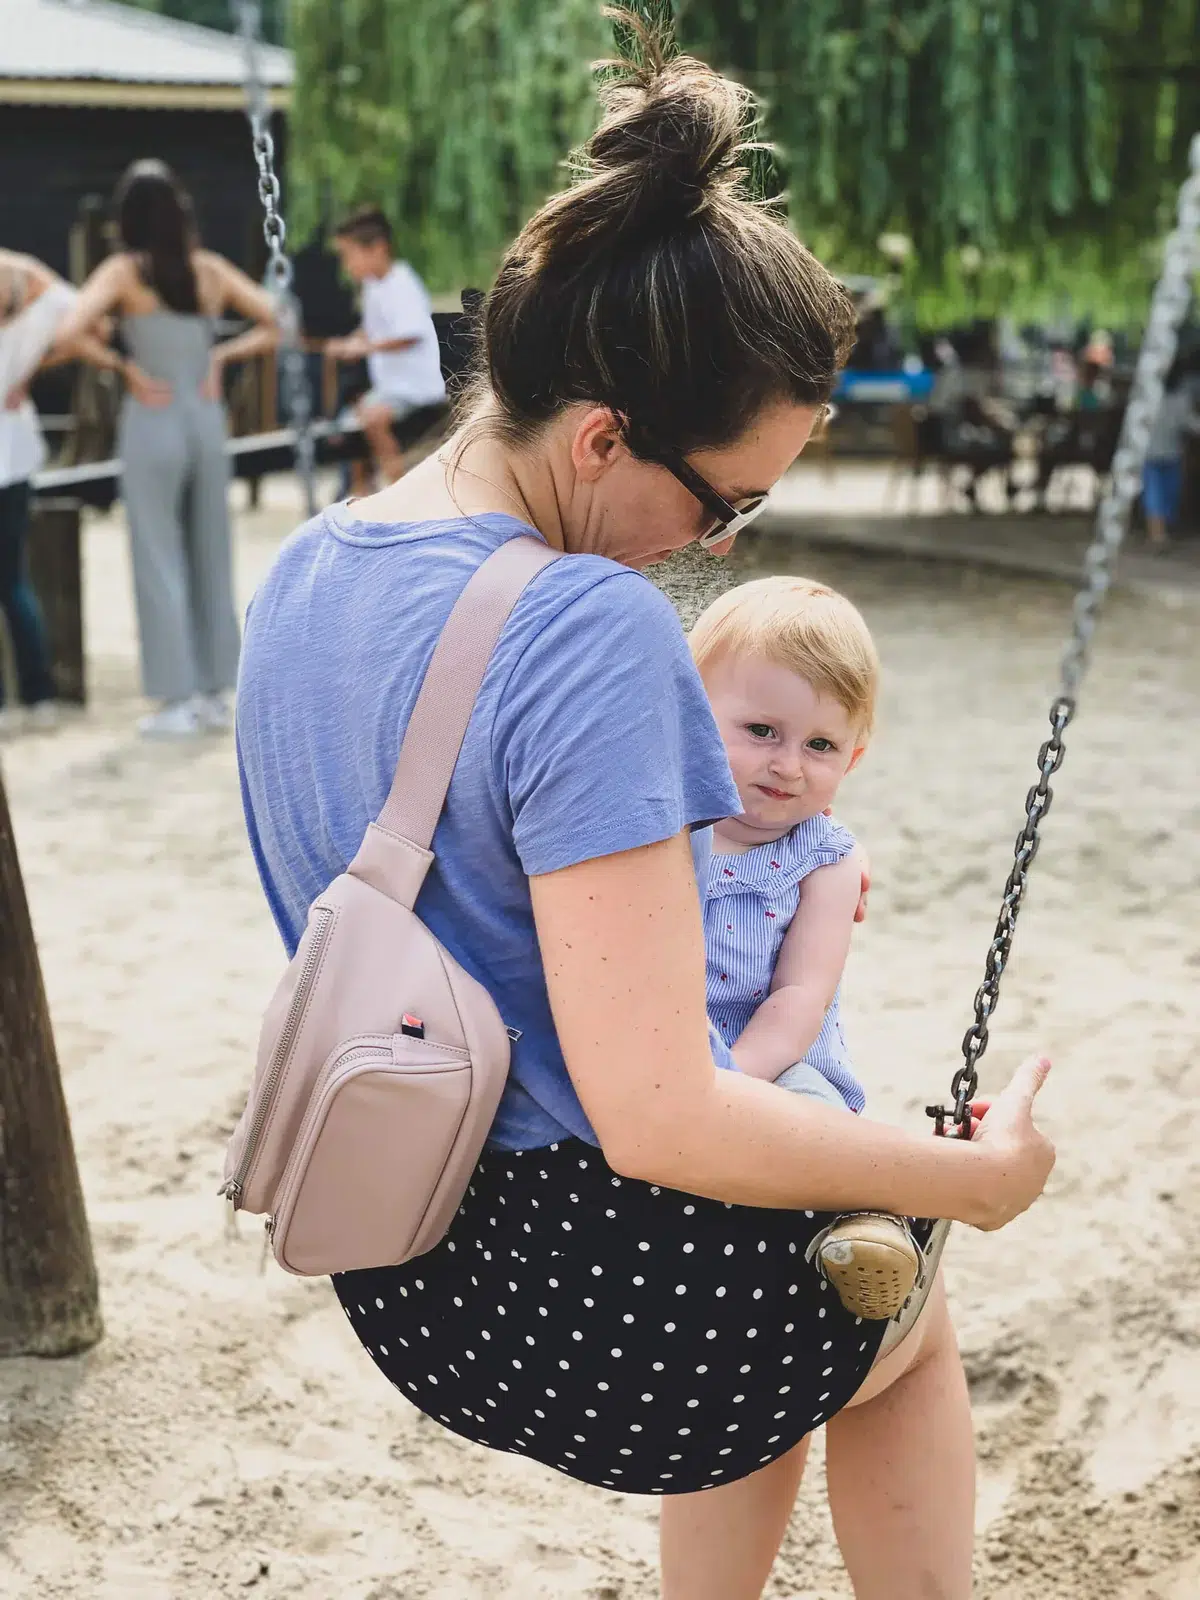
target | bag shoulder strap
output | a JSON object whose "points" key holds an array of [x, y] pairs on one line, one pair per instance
{"points": [[443, 708]]}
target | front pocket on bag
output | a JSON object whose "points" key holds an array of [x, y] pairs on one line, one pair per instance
{"points": [[382, 1121]]}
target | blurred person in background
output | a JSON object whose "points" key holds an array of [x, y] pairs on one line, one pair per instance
{"points": [[168, 293], [34, 301], [1162, 475], [397, 338]]}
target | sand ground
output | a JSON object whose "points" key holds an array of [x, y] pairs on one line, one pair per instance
{"points": [[229, 1437]]}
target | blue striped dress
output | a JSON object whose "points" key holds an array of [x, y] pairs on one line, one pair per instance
{"points": [[749, 906]]}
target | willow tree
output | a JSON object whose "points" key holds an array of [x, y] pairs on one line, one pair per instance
{"points": [[1043, 140], [452, 114]]}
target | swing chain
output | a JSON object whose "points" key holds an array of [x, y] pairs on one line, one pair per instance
{"points": [[297, 399], [1167, 311]]}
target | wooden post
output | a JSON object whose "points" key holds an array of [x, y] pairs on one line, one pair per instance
{"points": [[49, 1303], [56, 568]]}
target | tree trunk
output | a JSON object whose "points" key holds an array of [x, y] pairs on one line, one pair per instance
{"points": [[48, 1294]]}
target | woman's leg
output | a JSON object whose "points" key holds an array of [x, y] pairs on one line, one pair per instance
{"points": [[216, 639], [31, 647], [901, 1470], [720, 1544]]}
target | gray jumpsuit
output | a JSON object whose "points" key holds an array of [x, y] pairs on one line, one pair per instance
{"points": [[175, 479]]}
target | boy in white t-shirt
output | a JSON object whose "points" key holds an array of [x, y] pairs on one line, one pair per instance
{"points": [[397, 336]]}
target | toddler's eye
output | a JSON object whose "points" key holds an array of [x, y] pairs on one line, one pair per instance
{"points": [[821, 745], [760, 730]]}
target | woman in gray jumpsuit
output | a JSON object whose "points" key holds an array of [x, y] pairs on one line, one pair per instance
{"points": [[167, 293]]}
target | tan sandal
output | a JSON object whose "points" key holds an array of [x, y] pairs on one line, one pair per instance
{"points": [[872, 1260]]}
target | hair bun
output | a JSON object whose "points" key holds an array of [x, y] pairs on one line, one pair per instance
{"points": [[674, 129], [670, 143]]}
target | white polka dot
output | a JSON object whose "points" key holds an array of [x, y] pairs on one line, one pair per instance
{"points": [[484, 1334], [810, 1214], [542, 1312], [579, 1439], [602, 1386], [610, 1213], [529, 1339], [689, 1211], [721, 1294], [823, 1397], [458, 1302], [683, 1432], [616, 1353], [383, 1350], [681, 1288], [569, 1455], [688, 1248], [425, 1331], [538, 1413], [639, 1282], [746, 1368], [654, 1189], [668, 1327], [626, 1452], [728, 1249], [589, 1413], [628, 1317], [663, 1476], [647, 1397], [775, 1438], [702, 1369], [751, 1333], [862, 1346], [379, 1302], [567, 1227], [711, 1334], [658, 1366], [692, 1404], [553, 1282], [786, 1362], [728, 1451], [554, 1147], [757, 1295], [616, 1183], [821, 1312], [503, 1386], [432, 1379], [552, 1393], [575, 1198], [577, 1335], [470, 1355], [827, 1372], [361, 1312], [516, 1364], [791, 1288], [779, 1416], [635, 1427], [589, 1303], [642, 1245], [597, 1272], [828, 1345], [565, 1365]]}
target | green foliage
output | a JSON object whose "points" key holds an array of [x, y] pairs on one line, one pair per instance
{"points": [[454, 115], [1047, 135]]}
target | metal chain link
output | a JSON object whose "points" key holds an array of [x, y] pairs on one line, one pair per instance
{"points": [[297, 398], [1167, 311]]}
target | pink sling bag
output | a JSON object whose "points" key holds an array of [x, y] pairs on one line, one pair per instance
{"points": [[381, 1062]]}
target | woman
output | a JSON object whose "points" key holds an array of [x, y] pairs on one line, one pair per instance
{"points": [[33, 304], [168, 293], [624, 1293]]}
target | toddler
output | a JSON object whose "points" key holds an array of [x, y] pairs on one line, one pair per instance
{"points": [[791, 672]]}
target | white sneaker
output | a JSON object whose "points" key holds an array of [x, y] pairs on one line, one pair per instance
{"points": [[43, 717], [213, 712], [12, 721], [176, 721]]}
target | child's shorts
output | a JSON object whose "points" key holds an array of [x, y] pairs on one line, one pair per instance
{"points": [[806, 1080]]}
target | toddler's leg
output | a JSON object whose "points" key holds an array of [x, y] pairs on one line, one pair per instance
{"points": [[870, 1258]]}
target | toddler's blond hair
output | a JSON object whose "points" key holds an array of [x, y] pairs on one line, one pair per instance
{"points": [[804, 626]]}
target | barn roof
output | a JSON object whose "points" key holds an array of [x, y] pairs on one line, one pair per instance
{"points": [[95, 52]]}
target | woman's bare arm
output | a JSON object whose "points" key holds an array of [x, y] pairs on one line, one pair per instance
{"points": [[251, 301], [807, 972], [623, 952]]}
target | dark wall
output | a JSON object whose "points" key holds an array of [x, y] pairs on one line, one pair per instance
{"points": [[52, 157]]}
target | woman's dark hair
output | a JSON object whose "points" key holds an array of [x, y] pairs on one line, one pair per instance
{"points": [[156, 224], [653, 284]]}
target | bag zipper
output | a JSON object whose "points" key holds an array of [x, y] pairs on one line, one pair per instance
{"points": [[279, 1056]]}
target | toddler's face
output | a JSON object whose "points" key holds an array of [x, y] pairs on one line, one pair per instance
{"points": [[789, 747]]}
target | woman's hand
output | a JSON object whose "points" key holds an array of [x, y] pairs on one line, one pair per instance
{"points": [[147, 391], [1017, 1157]]}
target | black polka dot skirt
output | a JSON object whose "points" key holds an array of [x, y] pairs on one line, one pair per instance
{"points": [[625, 1334]]}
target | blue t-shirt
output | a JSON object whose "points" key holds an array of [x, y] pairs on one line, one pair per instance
{"points": [[591, 735]]}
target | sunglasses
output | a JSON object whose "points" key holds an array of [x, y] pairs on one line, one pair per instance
{"points": [[728, 519]]}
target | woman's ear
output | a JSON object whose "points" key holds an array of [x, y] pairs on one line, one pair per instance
{"points": [[597, 442]]}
